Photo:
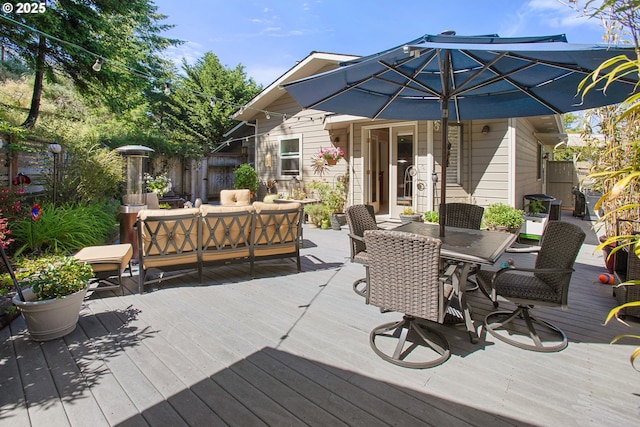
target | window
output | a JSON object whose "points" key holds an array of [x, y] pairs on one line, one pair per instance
{"points": [[454, 143], [290, 156]]}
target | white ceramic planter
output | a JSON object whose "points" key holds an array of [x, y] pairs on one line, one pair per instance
{"points": [[50, 319]]}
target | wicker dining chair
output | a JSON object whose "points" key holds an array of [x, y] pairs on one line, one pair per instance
{"points": [[404, 276], [465, 215], [360, 218], [547, 284]]}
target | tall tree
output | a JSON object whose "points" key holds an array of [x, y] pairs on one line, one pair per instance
{"points": [[201, 102], [68, 37]]}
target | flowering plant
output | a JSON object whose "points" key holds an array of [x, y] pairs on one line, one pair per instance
{"points": [[4, 233], [331, 153], [160, 184]]}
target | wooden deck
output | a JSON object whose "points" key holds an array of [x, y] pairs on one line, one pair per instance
{"points": [[292, 348]]}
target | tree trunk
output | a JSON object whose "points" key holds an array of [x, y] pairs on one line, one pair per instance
{"points": [[34, 111]]}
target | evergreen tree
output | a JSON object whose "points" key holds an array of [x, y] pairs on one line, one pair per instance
{"points": [[66, 37], [199, 108]]}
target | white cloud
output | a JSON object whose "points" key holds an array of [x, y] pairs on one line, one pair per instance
{"points": [[265, 75], [557, 14]]}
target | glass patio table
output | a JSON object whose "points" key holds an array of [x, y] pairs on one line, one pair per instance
{"points": [[466, 248]]}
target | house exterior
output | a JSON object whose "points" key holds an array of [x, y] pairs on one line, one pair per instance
{"points": [[396, 164]]}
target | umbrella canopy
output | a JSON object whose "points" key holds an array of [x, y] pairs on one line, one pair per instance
{"points": [[448, 77]]}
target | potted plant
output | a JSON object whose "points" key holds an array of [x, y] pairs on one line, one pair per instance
{"points": [[499, 216], [333, 198], [54, 288], [246, 177], [430, 216], [535, 208], [160, 184], [408, 215]]}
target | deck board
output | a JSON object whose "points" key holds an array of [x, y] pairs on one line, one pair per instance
{"points": [[289, 348]]}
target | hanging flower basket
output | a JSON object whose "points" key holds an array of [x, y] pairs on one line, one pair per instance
{"points": [[331, 155]]}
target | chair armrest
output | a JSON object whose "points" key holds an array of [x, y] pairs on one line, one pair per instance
{"points": [[355, 237], [525, 249]]}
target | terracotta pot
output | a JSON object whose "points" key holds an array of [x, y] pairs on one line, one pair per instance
{"points": [[609, 262], [331, 162]]}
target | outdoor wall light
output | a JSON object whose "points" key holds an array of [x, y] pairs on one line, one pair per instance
{"points": [[55, 148], [485, 129]]}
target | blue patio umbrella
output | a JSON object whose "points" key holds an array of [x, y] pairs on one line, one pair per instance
{"points": [[448, 77]]}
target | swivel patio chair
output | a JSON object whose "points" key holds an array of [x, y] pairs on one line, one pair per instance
{"points": [[404, 276], [360, 218], [547, 284], [465, 215]]}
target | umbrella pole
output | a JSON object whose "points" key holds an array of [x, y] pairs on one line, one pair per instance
{"points": [[5, 259], [443, 168]]}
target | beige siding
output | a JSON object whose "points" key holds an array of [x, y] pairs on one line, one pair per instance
{"points": [[526, 180], [489, 162], [309, 124]]}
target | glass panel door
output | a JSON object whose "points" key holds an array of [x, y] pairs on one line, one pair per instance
{"points": [[402, 182]]}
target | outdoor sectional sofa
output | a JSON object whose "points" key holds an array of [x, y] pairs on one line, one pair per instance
{"points": [[179, 239]]}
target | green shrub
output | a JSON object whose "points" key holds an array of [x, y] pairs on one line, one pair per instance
{"points": [[87, 173], [65, 229], [430, 216], [501, 215], [245, 177]]}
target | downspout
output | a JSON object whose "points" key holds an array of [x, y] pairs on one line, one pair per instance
{"points": [[255, 145], [511, 162], [351, 166]]}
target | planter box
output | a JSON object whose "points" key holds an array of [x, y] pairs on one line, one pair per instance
{"points": [[533, 226]]}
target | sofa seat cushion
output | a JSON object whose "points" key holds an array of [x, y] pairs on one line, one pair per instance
{"points": [[170, 260], [282, 249]]}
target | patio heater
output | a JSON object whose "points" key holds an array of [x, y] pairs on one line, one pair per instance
{"points": [[134, 199]]}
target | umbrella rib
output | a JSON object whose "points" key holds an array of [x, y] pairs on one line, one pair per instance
{"points": [[485, 66], [402, 86], [505, 77], [409, 77], [566, 67], [343, 90]]}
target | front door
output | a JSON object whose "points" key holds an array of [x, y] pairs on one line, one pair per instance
{"points": [[377, 160], [402, 172]]}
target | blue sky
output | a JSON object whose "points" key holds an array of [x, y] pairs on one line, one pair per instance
{"points": [[269, 37]]}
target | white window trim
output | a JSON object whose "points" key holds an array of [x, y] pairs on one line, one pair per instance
{"points": [[297, 136]]}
